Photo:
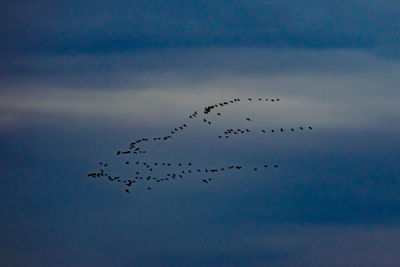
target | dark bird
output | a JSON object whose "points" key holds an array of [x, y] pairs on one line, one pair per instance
{"points": [[119, 152], [309, 127], [281, 129], [248, 119], [219, 114], [301, 128], [292, 129], [275, 166], [205, 181]]}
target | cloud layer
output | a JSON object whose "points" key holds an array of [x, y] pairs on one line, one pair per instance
{"points": [[82, 26]]}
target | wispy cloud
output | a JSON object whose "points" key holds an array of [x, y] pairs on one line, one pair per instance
{"points": [[163, 92]]}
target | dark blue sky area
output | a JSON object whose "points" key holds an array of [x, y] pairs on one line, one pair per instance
{"points": [[112, 26]]}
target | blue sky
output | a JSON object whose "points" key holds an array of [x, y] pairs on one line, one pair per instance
{"points": [[80, 80]]}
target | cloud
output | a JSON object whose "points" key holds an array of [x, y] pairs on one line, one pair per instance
{"points": [[347, 89], [81, 27]]}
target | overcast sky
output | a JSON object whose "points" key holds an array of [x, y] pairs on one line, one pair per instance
{"points": [[80, 80]]}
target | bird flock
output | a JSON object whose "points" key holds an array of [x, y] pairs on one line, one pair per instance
{"points": [[155, 172]]}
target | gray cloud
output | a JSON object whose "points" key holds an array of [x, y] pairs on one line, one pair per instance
{"points": [[339, 88]]}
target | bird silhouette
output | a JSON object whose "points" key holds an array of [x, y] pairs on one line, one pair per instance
{"points": [[137, 148]]}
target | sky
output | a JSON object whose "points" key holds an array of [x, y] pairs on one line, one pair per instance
{"points": [[80, 80]]}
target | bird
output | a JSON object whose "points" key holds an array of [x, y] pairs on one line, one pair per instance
{"points": [[136, 150]]}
